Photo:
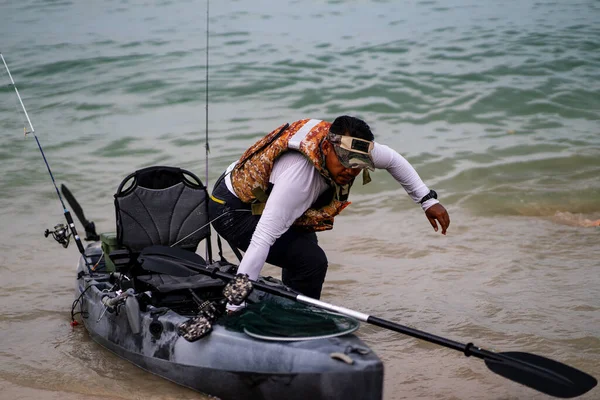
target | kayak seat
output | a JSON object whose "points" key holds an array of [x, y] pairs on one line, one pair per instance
{"points": [[161, 206]]}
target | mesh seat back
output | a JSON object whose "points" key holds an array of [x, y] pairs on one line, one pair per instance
{"points": [[161, 205]]}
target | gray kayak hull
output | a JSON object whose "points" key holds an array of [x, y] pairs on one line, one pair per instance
{"points": [[228, 364]]}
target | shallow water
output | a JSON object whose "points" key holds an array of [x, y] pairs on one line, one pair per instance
{"points": [[497, 105]]}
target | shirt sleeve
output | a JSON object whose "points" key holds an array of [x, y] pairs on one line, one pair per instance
{"points": [[296, 186], [403, 172]]}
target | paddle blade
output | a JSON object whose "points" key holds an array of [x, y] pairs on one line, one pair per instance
{"points": [[74, 204], [90, 228], [542, 374]]}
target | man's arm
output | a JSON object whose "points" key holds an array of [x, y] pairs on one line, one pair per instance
{"points": [[296, 186], [386, 158]]}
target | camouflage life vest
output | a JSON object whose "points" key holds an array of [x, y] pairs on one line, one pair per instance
{"points": [[250, 177]]}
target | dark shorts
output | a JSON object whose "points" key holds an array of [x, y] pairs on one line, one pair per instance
{"points": [[303, 262]]}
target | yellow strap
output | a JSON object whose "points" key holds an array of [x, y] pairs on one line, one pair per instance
{"points": [[213, 198], [366, 176], [258, 208], [260, 194]]}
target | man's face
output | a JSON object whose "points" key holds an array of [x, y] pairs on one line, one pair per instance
{"points": [[340, 174]]}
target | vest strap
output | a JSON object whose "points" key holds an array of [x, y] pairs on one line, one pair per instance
{"points": [[299, 136], [260, 194], [258, 208]]}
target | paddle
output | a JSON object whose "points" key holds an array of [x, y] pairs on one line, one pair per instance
{"points": [[90, 228], [537, 372]]}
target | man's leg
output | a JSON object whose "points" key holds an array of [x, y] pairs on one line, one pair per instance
{"points": [[303, 261]]}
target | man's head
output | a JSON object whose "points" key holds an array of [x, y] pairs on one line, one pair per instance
{"points": [[348, 149]]}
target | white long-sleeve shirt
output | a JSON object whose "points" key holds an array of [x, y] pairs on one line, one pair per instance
{"points": [[296, 186]]}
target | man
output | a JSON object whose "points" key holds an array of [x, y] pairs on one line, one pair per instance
{"points": [[292, 183]]}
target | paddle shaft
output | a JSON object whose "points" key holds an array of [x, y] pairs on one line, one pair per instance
{"points": [[419, 334], [537, 372], [467, 349], [374, 320]]}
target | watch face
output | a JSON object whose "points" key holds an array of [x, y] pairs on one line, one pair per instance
{"points": [[431, 195]]}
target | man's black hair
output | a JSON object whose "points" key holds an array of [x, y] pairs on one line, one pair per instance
{"points": [[351, 126]]}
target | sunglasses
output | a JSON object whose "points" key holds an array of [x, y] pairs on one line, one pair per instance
{"points": [[352, 152]]}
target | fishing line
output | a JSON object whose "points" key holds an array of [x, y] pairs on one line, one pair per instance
{"points": [[32, 131], [206, 92], [207, 146], [59, 233], [208, 223]]}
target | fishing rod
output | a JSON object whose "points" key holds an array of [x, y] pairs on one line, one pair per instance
{"points": [[61, 232], [206, 91], [208, 252]]}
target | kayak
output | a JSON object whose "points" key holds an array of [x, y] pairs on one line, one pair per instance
{"points": [[146, 295], [225, 363]]}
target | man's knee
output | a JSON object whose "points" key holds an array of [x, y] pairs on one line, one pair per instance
{"points": [[306, 271], [312, 260]]}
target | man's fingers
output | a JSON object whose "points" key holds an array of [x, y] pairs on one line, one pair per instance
{"points": [[444, 225], [433, 223], [445, 222]]}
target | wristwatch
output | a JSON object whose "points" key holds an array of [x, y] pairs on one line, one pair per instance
{"points": [[431, 195]]}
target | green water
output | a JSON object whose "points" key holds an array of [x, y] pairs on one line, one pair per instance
{"points": [[497, 105]]}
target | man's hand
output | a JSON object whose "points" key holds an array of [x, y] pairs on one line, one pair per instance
{"points": [[439, 213]]}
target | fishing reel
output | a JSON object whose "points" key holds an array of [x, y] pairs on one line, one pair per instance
{"points": [[60, 233], [235, 292], [197, 327]]}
